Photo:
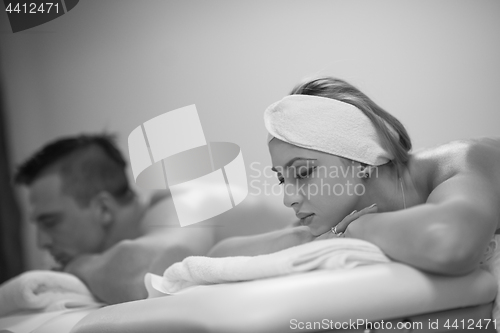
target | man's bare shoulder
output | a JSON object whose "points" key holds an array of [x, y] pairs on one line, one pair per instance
{"points": [[160, 227], [158, 196], [160, 213]]}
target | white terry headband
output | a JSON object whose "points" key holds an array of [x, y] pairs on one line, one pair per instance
{"points": [[326, 125]]}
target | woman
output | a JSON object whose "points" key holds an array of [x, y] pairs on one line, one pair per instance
{"points": [[435, 209]]}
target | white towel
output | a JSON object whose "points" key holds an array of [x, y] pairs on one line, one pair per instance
{"points": [[326, 125], [339, 253], [44, 291]]}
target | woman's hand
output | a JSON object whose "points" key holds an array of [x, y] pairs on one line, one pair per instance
{"points": [[342, 227]]}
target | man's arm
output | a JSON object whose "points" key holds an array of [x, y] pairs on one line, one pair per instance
{"points": [[117, 275]]}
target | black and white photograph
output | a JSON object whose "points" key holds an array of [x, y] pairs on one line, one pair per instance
{"points": [[249, 166]]}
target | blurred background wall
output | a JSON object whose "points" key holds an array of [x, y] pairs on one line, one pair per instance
{"points": [[113, 64]]}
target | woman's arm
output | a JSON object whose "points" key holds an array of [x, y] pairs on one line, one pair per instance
{"points": [[446, 235], [262, 244]]}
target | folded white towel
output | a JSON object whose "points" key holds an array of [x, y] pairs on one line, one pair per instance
{"points": [[327, 125], [43, 290], [340, 253]]}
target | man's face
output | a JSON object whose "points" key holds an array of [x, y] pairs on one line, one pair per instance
{"points": [[63, 227]]}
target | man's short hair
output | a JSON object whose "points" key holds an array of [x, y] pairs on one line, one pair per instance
{"points": [[87, 164]]}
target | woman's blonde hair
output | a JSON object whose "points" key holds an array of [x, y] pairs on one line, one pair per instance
{"points": [[340, 90]]}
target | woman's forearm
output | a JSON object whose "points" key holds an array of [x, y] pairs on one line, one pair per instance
{"points": [[445, 239], [261, 244]]}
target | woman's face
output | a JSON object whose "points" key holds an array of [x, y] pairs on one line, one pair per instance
{"points": [[321, 188]]}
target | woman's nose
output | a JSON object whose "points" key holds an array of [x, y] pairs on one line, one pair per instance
{"points": [[291, 195]]}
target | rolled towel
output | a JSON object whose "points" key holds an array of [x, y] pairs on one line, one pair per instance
{"points": [[327, 125], [43, 290], [340, 253]]}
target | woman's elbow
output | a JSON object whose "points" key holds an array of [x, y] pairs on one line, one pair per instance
{"points": [[453, 263], [451, 253]]}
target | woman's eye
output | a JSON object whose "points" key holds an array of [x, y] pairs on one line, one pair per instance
{"points": [[306, 173], [281, 180]]}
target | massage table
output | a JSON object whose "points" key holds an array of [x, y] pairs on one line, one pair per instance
{"points": [[393, 293]]}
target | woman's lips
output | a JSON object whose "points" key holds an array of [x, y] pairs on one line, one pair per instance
{"points": [[307, 220]]}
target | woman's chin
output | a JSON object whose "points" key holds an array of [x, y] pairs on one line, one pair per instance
{"points": [[318, 230]]}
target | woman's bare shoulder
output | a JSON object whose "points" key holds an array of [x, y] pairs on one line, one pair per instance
{"points": [[473, 155], [479, 157]]}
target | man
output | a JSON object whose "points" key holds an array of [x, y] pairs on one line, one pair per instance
{"points": [[96, 226]]}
